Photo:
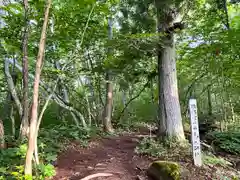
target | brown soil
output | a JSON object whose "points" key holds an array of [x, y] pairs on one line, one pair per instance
{"points": [[113, 155]]}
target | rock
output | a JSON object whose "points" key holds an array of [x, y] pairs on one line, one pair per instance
{"points": [[237, 166], [164, 170], [184, 173]]}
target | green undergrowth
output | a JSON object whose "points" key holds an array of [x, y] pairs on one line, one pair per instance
{"points": [[228, 141], [51, 141], [211, 159], [156, 148]]}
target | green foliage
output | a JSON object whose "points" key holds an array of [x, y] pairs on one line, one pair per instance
{"points": [[156, 148], [78, 32], [45, 171], [211, 159], [12, 165], [227, 141], [149, 146], [52, 140], [137, 111]]}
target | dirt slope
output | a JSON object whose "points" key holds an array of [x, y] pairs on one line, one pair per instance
{"points": [[113, 155]]}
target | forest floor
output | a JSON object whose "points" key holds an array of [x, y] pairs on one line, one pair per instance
{"points": [[115, 155]]}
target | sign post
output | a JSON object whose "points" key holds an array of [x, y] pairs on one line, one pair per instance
{"points": [[196, 147]]}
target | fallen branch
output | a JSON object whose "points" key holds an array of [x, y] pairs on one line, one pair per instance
{"points": [[97, 175], [207, 146]]}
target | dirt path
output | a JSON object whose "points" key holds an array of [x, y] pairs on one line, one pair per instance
{"points": [[113, 155]]}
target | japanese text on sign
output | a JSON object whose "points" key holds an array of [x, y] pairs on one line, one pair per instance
{"points": [[196, 148]]}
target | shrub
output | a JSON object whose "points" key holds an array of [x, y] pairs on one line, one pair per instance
{"points": [[226, 141], [214, 160], [149, 146], [50, 142]]}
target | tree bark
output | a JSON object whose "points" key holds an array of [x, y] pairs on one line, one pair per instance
{"points": [[25, 120], [170, 120], [12, 121], [34, 115], [107, 121], [107, 124], [2, 140], [11, 87], [209, 102]]}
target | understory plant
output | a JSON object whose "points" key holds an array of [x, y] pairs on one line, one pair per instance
{"points": [[51, 141]]}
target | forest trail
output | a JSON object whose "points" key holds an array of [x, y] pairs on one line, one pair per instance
{"points": [[114, 155]]}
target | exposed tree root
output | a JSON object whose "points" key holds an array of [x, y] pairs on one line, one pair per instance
{"points": [[96, 175]]}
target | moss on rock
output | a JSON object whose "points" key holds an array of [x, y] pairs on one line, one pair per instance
{"points": [[164, 170]]}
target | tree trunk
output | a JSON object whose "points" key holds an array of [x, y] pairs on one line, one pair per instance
{"points": [[2, 140], [12, 121], [232, 109], [170, 112], [107, 121], [65, 95], [170, 120], [34, 115], [107, 124], [209, 102], [124, 102], [24, 121], [55, 97], [11, 87]]}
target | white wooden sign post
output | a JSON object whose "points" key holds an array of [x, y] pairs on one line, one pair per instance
{"points": [[196, 147]]}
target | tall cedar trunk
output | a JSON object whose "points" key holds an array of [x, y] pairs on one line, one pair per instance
{"points": [[170, 112], [161, 108], [34, 115], [170, 120], [107, 124], [25, 122]]}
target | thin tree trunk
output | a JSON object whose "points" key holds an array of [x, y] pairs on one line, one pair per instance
{"points": [[209, 102], [12, 121], [24, 121], [107, 124], [12, 88], [65, 94], [40, 120], [124, 102], [152, 91], [108, 106], [232, 109], [55, 97], [34, 116], [170, 119], [132, 99], [224, 114], [2, 137]]}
